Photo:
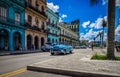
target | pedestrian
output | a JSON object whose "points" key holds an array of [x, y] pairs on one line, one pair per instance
{"points": [[92, 47]]}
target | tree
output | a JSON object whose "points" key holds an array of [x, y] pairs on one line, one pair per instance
{"points": [[111, 27], [104, 23]]}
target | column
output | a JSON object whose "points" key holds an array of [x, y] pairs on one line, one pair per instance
{"points": [[23, 41], [11, 41]]}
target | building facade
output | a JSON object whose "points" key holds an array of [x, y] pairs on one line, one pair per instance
{"points": [[35, 22], [67, 36], [12, 30], [53, 30]]}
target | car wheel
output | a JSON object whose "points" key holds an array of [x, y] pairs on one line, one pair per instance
{"points": [[52, 53], [70, 51], [64, 52]]}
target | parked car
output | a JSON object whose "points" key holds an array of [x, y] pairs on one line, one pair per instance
{"points": [[70, 48], [83, 47], [77, 47], [47, 47], [60, 49]]}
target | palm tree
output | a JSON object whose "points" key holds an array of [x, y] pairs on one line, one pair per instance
{"points": [[104, 23], [110, 25]]}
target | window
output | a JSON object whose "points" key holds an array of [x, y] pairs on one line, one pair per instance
{"points": [[17, 18], [36, 21], [29, 2], [36, 3], [3, 13], [29, 19], [43, 26], [42, 8]]}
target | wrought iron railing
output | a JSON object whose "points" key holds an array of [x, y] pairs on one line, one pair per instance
{"points": [[4, 19], [35, 9]]}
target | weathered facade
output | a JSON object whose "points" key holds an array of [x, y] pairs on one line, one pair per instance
{"points": [[35, 21], [68, 36], [53, 30], [12, 30]]}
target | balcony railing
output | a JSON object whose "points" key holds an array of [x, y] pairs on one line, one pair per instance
{"points": [[34, 27], [10, 21], [55, 34], [35, 9]]}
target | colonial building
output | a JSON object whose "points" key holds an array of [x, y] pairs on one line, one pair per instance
{"points": [[53, 31], [35, 21], [12, 30], [68, 36]]}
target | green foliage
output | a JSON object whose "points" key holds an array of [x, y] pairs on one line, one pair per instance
{"points": [[102, 57], [98, 57], [117, 58]]}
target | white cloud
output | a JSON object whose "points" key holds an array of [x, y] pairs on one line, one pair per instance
{"points": [[92, 25], [98, 23], [53, 7], [117, 31], [85, 24], [60, 19], [64, 16], [89, 35], [104, 2]]}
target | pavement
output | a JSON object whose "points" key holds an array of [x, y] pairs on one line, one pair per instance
{"points": [[4, 53], [79, 64]]}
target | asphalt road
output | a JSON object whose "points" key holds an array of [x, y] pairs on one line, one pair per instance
{"points": [[15, 62]]}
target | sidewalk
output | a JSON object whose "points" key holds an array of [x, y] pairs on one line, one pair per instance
{"points": [[3, 53], [78, 64]]}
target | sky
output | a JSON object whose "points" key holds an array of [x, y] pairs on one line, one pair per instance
{"points": [[90, 16]]}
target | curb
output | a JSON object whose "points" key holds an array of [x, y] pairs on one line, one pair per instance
{"points": [[68, 72], [19, 53]]}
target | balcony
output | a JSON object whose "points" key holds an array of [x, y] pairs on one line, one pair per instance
{"points": [[35, 9], [9, 21], [48, 32], [34, 27]]}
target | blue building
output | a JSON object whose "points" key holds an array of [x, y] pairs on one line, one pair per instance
{"points": [[12, 30], [53, 30]]}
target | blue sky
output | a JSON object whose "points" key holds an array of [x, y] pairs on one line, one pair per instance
{"points": [[90, 16]]}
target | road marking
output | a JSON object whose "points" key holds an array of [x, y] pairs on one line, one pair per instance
{"points": [[14, 72]]}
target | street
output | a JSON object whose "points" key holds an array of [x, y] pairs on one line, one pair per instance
{"points": [[15, 65], [14, 62], [11, 63]]}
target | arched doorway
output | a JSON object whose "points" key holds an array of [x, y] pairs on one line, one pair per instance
{"points": [[36, 41], [17, 41], [29, 42], [3, 40], [42, 41]]}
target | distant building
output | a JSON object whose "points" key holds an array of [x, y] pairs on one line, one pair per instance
{"points": [[52, 29], [68, 35], [12, 30], [35, 22]]}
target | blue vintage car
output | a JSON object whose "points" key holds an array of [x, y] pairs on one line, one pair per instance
{"points": [[60, 49], [47, 47]]}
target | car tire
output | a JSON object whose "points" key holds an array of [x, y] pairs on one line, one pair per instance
{"points": [[64, 52], [52, 53]]}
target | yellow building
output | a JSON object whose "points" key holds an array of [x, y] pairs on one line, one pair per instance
{"points": [[35, 22], [67, 36]]}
